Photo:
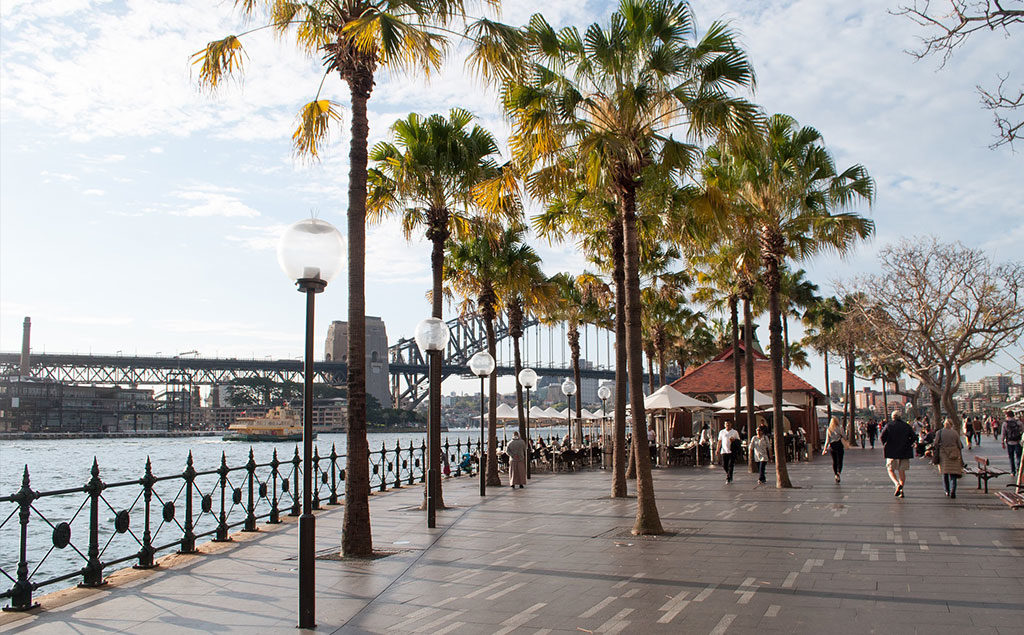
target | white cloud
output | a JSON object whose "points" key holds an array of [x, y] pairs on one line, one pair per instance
{"points": [[257, 238], [212, 204], [93, 192]]}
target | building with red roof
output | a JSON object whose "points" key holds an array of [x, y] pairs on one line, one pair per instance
{"points": [[713, 381]]}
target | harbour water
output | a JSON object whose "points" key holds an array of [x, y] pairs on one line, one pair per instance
{"points": [[56, 464]]}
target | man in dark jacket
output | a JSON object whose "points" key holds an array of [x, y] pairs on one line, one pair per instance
{"points": [[898, 444]]}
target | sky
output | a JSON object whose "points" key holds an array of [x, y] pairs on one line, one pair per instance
{"points": [[140, 215]]}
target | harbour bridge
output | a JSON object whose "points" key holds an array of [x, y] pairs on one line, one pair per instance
{"points": [[406, 364]]}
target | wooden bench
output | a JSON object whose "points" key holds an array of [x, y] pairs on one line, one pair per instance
{"points": [[984, 471], [1013, 499]]}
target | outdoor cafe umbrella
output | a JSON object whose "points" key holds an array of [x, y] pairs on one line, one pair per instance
{"points": [[506, 411], [761, 400], [668, 398]]}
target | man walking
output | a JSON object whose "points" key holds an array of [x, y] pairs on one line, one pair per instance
{"points": [[898, 447], [872, 432], [1011, 436], [726, 440]]}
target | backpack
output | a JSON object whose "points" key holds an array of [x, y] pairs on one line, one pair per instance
{"points": [[1013, 431]]}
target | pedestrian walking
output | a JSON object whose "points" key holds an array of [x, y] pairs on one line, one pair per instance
{"points": [[728, 447], [898, 448], [872, 432], [946, 452], [968, 432], [1011, 435], [976, 424], [834, 445], [517, 453], [862, 433], [759, 446]]}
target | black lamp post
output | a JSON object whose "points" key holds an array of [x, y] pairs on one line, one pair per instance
{"points": [[432, 337], [310, 253], [528, 379], [569, 389], [482, 364], [604, 392]]}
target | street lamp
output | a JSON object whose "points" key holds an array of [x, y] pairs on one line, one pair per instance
{"points": [[432, 337], [310, 253], [482, 365], [528, 379], [603, 393], [568, 389]]}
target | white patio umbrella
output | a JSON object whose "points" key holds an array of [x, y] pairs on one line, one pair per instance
{"points": [[668, 399], [761, 400], [506, 411]]}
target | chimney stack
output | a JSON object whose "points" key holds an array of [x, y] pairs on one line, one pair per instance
{"points": [[26, 364]]}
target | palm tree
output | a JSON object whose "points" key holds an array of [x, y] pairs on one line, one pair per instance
{"points": [[795, 292], [429, 177], [475, 268], [821, 320], [795, 195], [352, 38], [609, 97]]}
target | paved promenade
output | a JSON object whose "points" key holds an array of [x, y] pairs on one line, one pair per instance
{"points": [[557, 557]]}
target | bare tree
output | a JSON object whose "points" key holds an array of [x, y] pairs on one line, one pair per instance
{"points": [[948, 25], [938, 307]]}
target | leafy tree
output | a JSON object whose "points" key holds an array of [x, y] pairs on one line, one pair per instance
{"points": [[353, 38], [794, 195], [938, 307], [429, 177]]}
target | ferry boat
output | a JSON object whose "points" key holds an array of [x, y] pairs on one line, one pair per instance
{"points": [[279, 424]]}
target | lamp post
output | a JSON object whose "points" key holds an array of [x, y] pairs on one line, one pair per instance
{"points": [[569, 389], [310, 253], [482, 365], [603, 393], [528, 379], [432, 337]]}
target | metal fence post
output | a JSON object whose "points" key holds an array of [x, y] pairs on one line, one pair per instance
{"points": [[315, 480], [275, 513], [423, 461], [412, 464], [383, 468], [222, 523], [295, 477], [188, 540], [21, 597], [250, 517], [458, 457], [398, 464], [333, 500], [92, 573], [146, 552]]}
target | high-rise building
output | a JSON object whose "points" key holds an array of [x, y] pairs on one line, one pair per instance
{"points": [[996, 384], [837, 390], [336, 349]]}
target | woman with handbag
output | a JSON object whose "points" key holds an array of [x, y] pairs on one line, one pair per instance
{"points": [[834, 445], [946, 454]]}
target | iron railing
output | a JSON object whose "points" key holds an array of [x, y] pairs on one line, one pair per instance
{"points": [[214, 500]]}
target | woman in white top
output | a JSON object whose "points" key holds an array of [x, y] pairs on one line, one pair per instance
{"points": [[834, 440], [759, 446]]}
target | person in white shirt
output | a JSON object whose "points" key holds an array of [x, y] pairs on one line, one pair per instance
{"points": [[726, 439]]}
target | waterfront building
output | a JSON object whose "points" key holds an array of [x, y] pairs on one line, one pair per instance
{"points": [[29, 404], [377, 378], [996, 384], [868, 398]]}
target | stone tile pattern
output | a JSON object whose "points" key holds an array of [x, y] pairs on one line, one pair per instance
{"points": [[557, 557]]}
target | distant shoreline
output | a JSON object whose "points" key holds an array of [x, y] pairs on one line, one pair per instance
{"points": [[157, 434]]}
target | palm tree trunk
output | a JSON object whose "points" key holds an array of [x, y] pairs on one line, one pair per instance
{"points": [[772, 250], [785, 339], [356, 537], [631, 468], [438, 235], [661, 367], [520, 410], [734, 321], [828, 389], [619, 443], [648, 521], [748, 362], [574, 350], [492, 409]]}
